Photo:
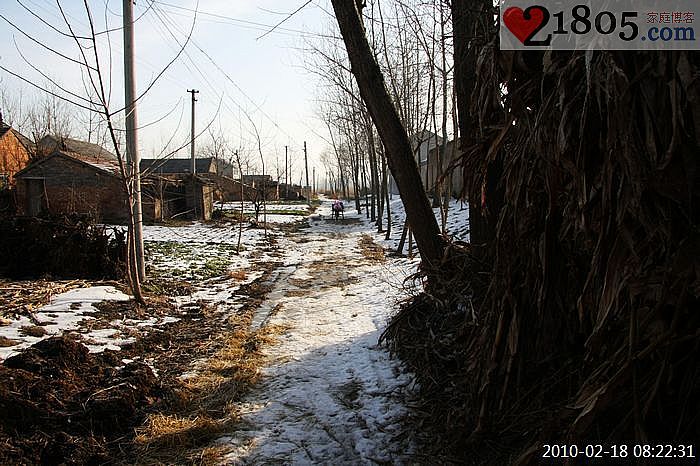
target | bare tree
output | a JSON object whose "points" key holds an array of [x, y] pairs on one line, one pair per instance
{"points": [[394, 136], [96, 100]]}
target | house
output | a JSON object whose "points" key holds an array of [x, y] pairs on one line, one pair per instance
{"points": [[181, 194], [85, 178], [15, 153], [259, 182], [436, 171], [66, 182], [177, 196], [423, 143], [290, 192], [207, 165]]}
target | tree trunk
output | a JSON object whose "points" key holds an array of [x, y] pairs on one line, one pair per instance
{"points": [[401, 162], [465, 15], [372, 170]]}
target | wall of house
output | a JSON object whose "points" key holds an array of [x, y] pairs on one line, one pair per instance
{"points": [[13, 158], [420, 154], [435, 171], [71, 187]]}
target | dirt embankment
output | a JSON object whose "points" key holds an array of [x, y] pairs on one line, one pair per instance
{"points": [[61, 404]]}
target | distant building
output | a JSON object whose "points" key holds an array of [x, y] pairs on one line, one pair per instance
{"points": [[170, 178], [207, 165], [15, 153], [422, 143], [255, 180], [453, 177]]}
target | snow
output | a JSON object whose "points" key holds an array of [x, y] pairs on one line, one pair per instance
{"points": [[64, 313], [329, 393]]}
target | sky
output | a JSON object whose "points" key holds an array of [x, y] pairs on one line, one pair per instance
{"points": [[248, 78]]}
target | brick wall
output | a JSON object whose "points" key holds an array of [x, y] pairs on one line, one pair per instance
{"points": [[72, 187], [13, 156]]}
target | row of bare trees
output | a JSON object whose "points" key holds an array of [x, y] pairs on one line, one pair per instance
{"points": [[575, 305], [410, 43]]}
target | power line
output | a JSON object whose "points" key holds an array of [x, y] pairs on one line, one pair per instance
{"points": [[221, 70], [285, 19], [251, 24]]}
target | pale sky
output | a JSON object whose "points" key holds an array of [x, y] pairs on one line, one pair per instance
{"points": [[234, 69]]}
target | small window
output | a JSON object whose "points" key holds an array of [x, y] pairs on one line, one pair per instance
{"points": [[4, 181]]}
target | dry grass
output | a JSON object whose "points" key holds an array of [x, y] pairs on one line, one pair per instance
{"points": [[172, 432], [32, 331], [206, 406], [22, 297], [7, 342], [371, 250], [302, 282], [238, 275]]}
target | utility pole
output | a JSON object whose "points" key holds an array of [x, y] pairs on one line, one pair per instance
{"points": [[314, 178], [194, 165], [286, 173], [306, 163], [132, 152]]}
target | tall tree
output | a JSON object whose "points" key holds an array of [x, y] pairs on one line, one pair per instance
{"points": [[385, 117], [469, 19], [95, 99]]}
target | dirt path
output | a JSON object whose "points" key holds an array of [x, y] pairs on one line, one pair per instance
{"points": [[181, 380], [329, 394]]}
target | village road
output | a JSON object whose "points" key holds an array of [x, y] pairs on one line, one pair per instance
{"points": [[329, 394]]}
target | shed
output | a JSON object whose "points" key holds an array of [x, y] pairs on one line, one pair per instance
{"points": [[64, 182], [213, 180]]}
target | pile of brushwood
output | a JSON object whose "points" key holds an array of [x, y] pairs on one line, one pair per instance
{"points": [[60, 404], [60, 247], [576, 320]]}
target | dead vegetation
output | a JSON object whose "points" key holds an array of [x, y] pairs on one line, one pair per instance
{"points": [[371, 250], [205, 406], [21, 298], [577, 320], [61, 404], [61, 247], [223, 359]]}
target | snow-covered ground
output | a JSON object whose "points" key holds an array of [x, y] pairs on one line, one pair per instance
{"points": [[277, 211], [329, 394], [64, 313]]}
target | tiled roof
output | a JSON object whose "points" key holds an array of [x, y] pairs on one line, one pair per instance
{"points": [[175, 166], [108, 165], [87, 150], [25, 141]]}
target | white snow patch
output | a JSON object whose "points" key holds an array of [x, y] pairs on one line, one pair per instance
{"points": [[63, 313]]}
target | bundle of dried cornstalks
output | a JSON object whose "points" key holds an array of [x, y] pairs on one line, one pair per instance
{"points": [[579, 317], [60, 247]]}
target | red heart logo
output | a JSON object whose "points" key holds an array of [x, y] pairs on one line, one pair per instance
{"points": [[521, 26]]}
